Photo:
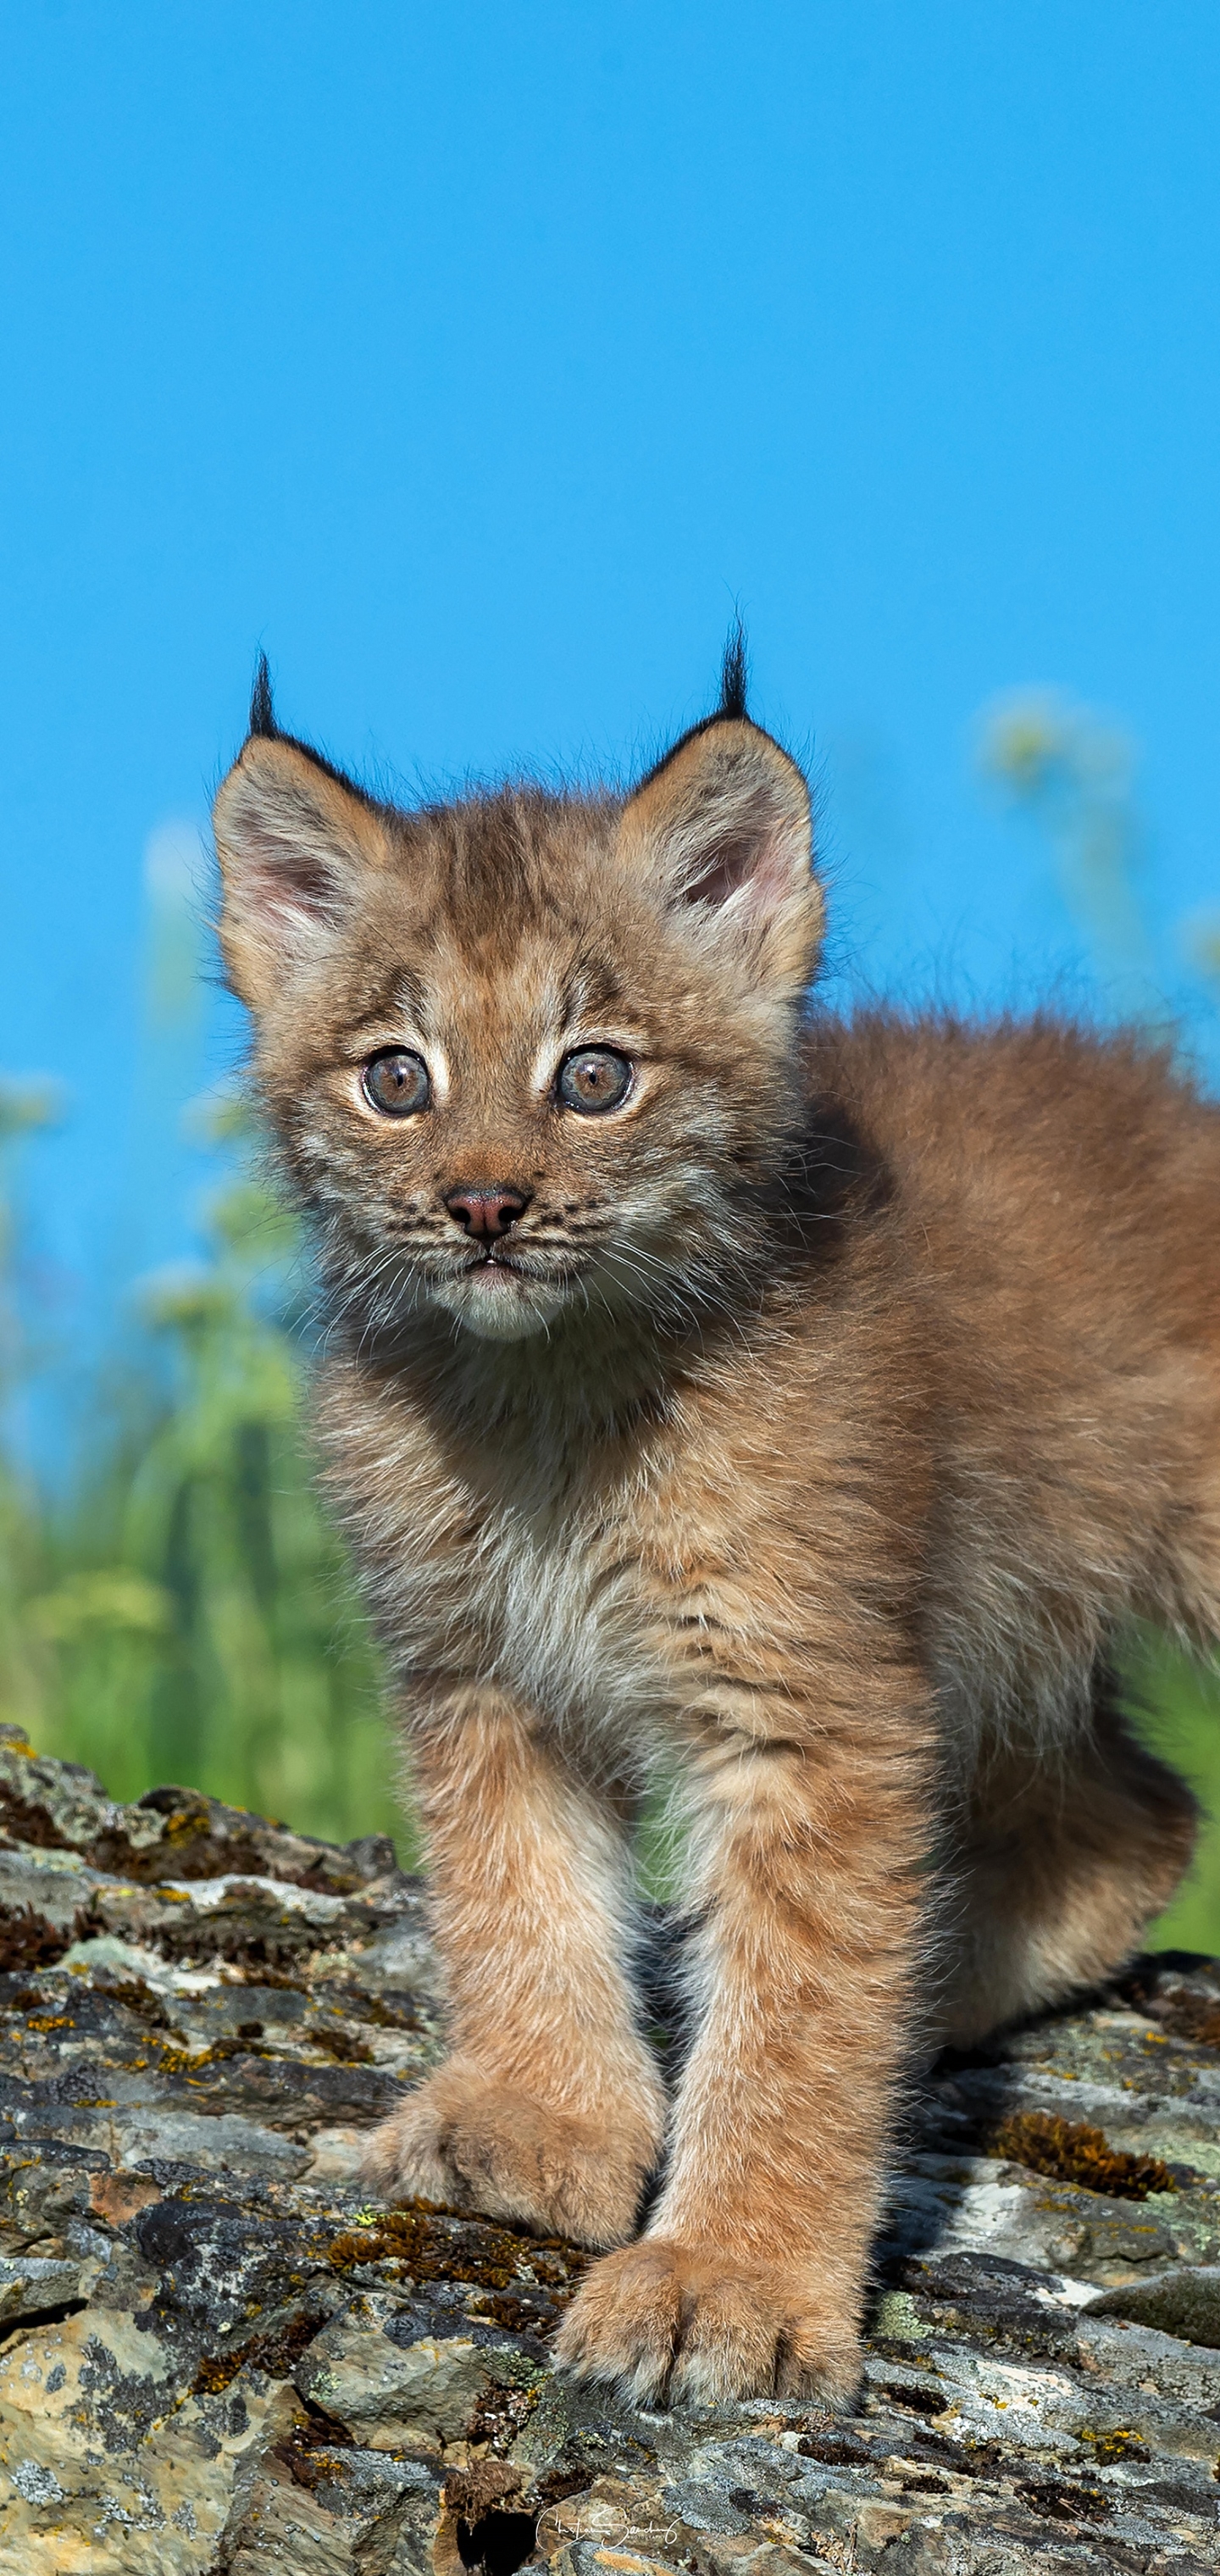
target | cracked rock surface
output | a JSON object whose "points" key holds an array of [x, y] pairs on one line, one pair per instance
{"points": [[215, 2357]]}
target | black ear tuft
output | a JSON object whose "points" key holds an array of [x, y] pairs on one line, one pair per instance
{"points": [[734, 674], [262, 713], [734, 680]]}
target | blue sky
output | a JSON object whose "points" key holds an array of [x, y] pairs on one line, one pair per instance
{"points": [[477, 361]]}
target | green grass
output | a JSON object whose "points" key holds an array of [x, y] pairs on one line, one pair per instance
{"points": [[1176, 1703], [186, 1612]]}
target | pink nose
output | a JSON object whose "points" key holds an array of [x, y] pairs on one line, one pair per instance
{"points": [[487, 1210]]}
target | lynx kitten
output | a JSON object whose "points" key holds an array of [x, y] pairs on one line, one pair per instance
{"points": [[712, 1384]]}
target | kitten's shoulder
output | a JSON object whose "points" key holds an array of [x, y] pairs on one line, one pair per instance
{"points": [[912, 1073], [994, 1117]]}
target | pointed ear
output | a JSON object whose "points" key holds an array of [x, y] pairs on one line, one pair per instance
{"points": [[724, 828], [294, 841]]}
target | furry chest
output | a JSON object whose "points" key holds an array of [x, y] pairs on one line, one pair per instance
{"points": [[565, 1625]]}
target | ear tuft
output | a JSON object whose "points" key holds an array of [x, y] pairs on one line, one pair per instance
{"points": [[734, 674], [262, 713]]}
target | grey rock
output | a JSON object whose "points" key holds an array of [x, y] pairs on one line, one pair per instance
{"points": [[48, 1890], [225, 2143], [1183, 2303], [403, 2377], [171, 1833], [213, 2357], [30, 2283]]}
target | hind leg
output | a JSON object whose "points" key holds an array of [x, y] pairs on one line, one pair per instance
{"points": [[1062, 1864]]}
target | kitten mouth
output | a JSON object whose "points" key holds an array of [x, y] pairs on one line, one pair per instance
{"points": [[501, 1274], [500, 1265], [501, 1298]]}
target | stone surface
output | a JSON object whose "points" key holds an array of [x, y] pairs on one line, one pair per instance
{"points": [[214, 2357]]}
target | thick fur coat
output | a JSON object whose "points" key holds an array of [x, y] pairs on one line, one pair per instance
{"points": [[713, 1388]]}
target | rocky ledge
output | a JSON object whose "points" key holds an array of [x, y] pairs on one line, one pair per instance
{"points": [[214, 2356]]}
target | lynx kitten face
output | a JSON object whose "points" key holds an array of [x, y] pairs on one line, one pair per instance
{"points": [[709, 1386], [531, 1056]]}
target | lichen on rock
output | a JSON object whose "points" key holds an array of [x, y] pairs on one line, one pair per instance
{"points": [[214, 2356]]}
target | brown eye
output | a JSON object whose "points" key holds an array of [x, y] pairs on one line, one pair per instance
{"points": [[593, 1079], [396, 1082]]}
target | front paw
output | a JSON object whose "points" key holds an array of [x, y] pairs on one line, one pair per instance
{"points": [[670, 2321], [466, 2140]]}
